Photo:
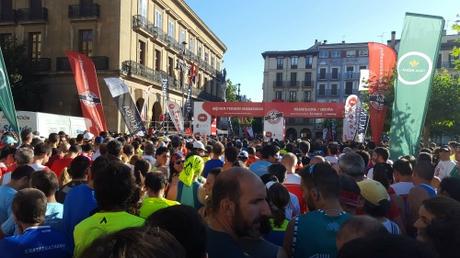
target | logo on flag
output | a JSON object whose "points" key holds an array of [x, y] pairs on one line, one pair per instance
{"points": [[89, 98], [414, 67]]}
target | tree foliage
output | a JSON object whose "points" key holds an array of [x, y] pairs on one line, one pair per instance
{"points": [[456, 50], [231, 91]]}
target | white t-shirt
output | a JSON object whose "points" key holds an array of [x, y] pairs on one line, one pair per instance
{"points": [[332, 159], [293, 179], [444, 168], [402, 188], [37, 167], [150, 159]]}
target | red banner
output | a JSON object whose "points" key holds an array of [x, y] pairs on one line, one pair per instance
{"points": [[88, 90], [257, 109], [382, 59]]}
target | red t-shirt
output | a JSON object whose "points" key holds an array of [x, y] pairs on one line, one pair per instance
{"points": [[59, 165]]}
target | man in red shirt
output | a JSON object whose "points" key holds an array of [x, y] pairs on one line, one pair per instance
{"points": [[59, 165]]}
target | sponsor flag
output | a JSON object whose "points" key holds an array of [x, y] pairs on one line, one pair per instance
{"points": [[382, 59], [176, 115], [214, 127], [125, 104], [192, 73], [363, 122], [274, 126], [88, 90], [363, 80], [418, 53], [350, 121], [6, 97]]}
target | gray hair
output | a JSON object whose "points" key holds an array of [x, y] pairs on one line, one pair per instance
{"points": [[24, 156], [352, 164]]}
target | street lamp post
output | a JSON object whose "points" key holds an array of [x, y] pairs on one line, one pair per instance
{"points": [[182, 66], [239, 96]]}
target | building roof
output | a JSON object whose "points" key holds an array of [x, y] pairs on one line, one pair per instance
{"points": [[342, 45], [301, 52]]}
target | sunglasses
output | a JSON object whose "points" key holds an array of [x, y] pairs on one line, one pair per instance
{"points": [[179, 162]]}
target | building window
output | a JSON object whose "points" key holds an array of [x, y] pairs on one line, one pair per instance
{"points": [[293, 79], [323, 54], [85, 42], [157, 60], [308, 76], [348, 88], [217, 64], [308, 61], [322, 73], [334, 90], [363, 52], [206, 57], [335, 54], [278, 95], [292, 96], [335, 73], [142, 50], [182, 35], [213, 61], [279, 79], [362, 67], [294, 62], [142, 8], [350, 70], [171, 66], [307, 96], [279, 63], [171, 28], [35, 44], [191, 44], [351, 53], [322, 90], [200, 51], [159, 19]]}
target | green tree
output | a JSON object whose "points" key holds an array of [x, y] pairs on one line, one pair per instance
{"points": [[443, 113], [456, 50], [231, 91]]}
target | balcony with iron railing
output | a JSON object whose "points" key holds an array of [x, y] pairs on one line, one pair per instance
{"points": [[29, 15], [133, 69], [8, 17], [307, 84], [351, 76], [101, 63], [84, 11]]}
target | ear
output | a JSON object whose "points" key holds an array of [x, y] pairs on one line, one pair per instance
{"points": [[314, 193], [228, 207]]}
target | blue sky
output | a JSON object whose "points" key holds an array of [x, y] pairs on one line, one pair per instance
{"points": [[250, 27]]}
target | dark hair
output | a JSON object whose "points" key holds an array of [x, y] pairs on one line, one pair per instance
{"points": [[227, 186], [424, 156], [156, 181], [322, 177], [277, 170], [278, 197], [268, 151], [365, 155], [114, 147], [141, 167], [376, 211], [352, 164], [161, 151], [403, 166], [360, 226], [42, 149], [304, 146], [251, 151], [231, 154], [74, 148], [53, 137], [45, 181], [215, 171], [136, 243], [79, 166], [114, 186], [412, 160], [79, 137], [6, 151], [98, 165], [451, 186], [424, 170], [382, 152], [87, 147], [22, 171], [333, 148], [384, 246], [185, 224], [383, 173], [29, 206], [427, 150], [25, 134]]}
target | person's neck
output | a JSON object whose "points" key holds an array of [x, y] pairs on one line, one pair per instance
{"points": [[152, 194], [14, 185], [51, 199], [291, 170], [405, 179], [24, 226], [220, 225], [38, 161], [420, 181], [331, 207]]}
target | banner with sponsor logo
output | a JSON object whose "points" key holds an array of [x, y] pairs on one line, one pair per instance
{"points": [[6, 97], [273, 125], [201, 120], [382, 59], [418, 53], [350, 121], [125, 104], [176, 115], [363, 122], [88, 90]]}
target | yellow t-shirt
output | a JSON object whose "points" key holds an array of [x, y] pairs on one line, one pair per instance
{"points": [[193, 166], [153, 204], [100, 224]]}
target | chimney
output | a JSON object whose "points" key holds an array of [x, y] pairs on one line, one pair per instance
{"points": [[393, 39], [324, 42], [343, 41], [316, 41]]}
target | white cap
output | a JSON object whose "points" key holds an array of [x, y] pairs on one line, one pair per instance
{"points": [[198, 145], [88, 136]]}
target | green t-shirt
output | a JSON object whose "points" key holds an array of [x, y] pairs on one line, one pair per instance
{"points": [[153, 204], [193, 166], [100, 224]]}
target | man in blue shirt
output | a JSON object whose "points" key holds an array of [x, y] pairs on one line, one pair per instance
{"points": [[29, 207], [19, 180], [80, 202], [215, 161], [269, 153]]}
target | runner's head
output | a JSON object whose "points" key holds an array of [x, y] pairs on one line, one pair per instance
{"points": [[24, 156], [239, 200], [402, 168], [155, 183], [450, 187], [380, 155], [289, 161], [320, 184], [353, 165], [376, 198], [79, 167], [45, 181], [20, 176], [212, 175], [29, 207], [357, 227], [423, 172], [278, 170]]}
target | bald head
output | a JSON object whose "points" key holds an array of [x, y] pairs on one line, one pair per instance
{"points": [[316, 160], [230, 184], [289, 161]]}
